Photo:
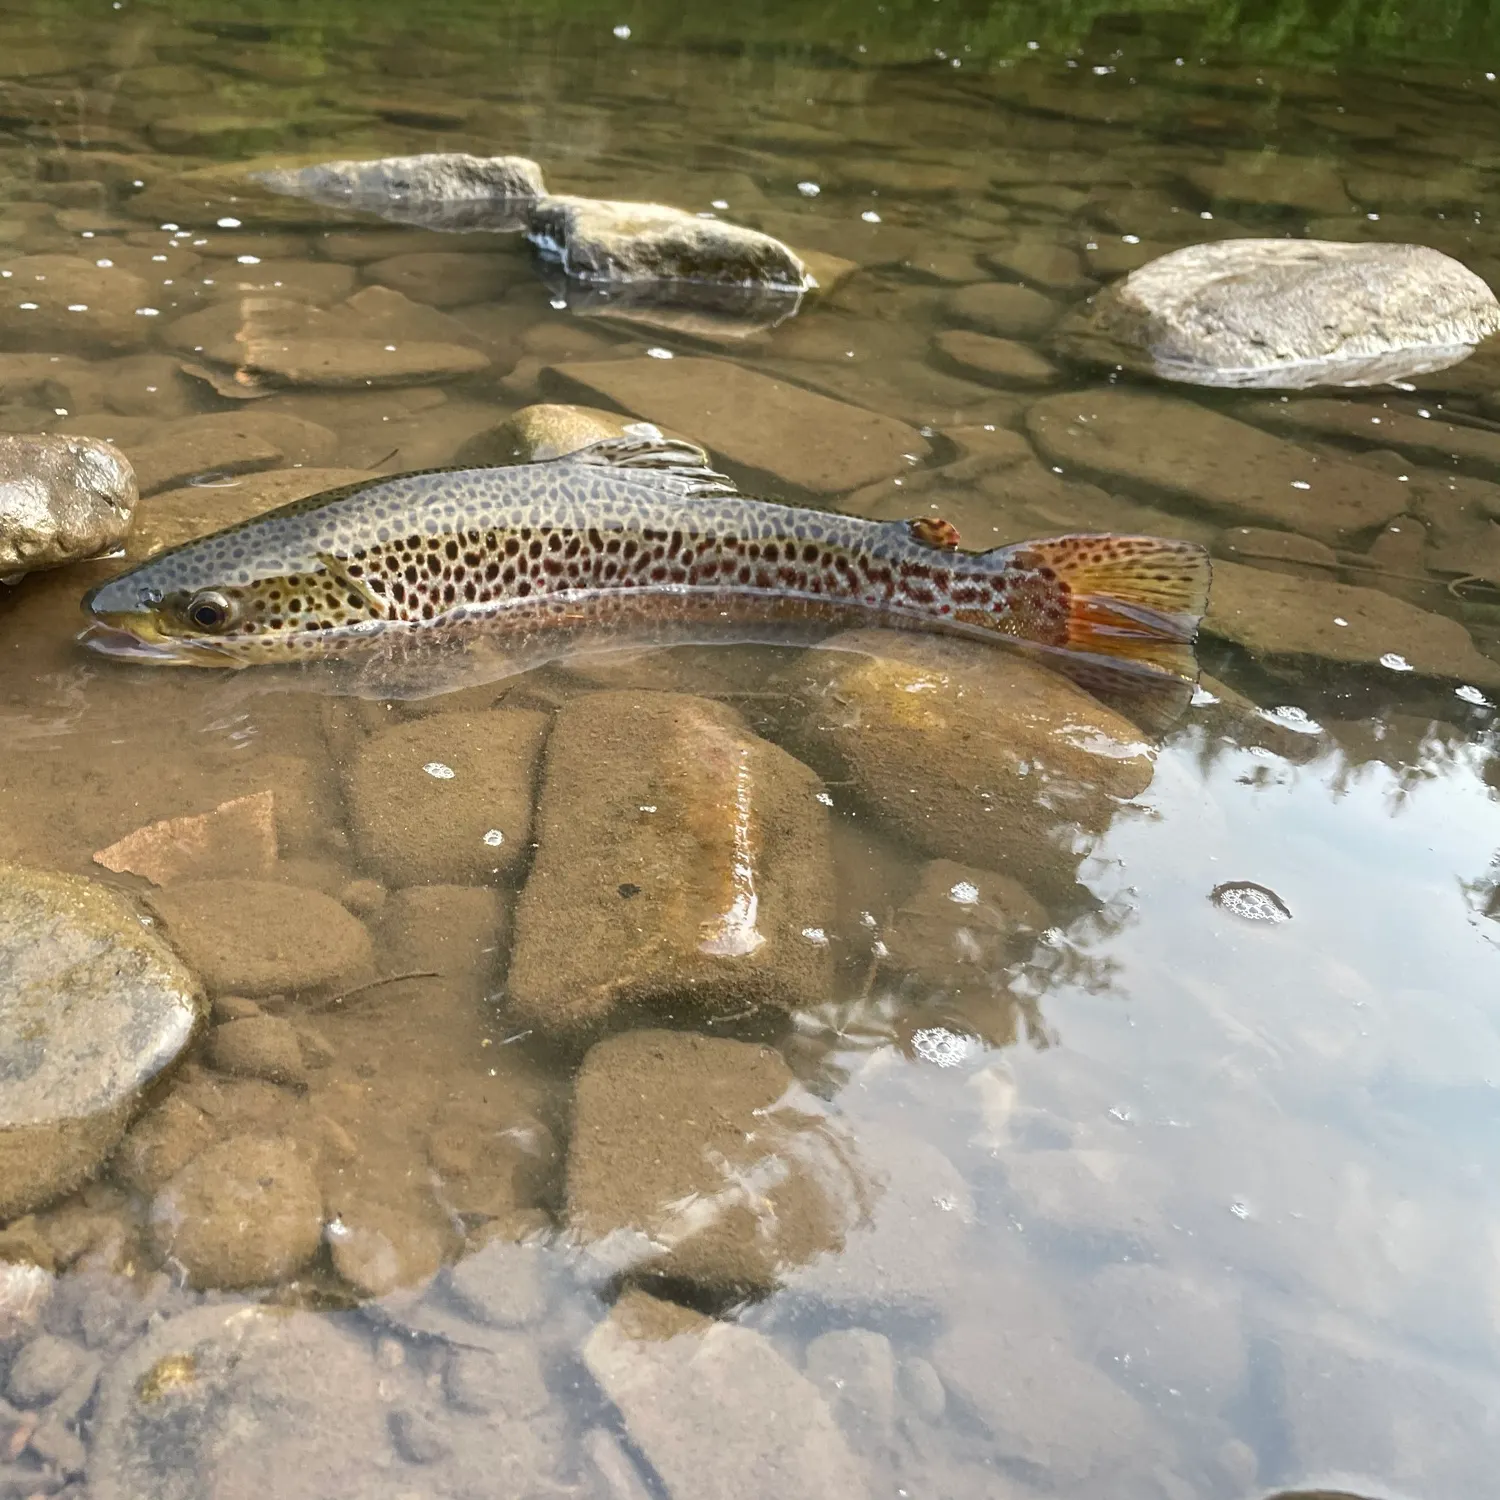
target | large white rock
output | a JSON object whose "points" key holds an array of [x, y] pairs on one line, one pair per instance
{"points": [[1287, 314]]}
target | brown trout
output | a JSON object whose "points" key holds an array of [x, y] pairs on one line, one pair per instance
{"points": [[635, 538]]}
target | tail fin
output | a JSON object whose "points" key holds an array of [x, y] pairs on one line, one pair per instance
{"points": [[1133, 601]]}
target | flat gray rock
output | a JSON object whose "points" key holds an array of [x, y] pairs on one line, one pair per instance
{"points": [[441, 190], [61, 499], [93, 1006], [1286, 314]]}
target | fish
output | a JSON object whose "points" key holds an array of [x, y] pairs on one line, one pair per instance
{"points": [[632, 539]]}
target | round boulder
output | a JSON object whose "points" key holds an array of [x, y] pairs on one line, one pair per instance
{"points": [[1286, 314], [61, 499], [93, 1006], [246, 1212]]}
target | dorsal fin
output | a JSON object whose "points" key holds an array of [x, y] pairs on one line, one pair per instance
{"points": [[651, 453]]}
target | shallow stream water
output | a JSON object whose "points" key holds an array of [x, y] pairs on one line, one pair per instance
{"points": [[1144, 1152]]}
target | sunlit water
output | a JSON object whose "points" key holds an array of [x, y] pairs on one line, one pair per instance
{"points": [[1191, 1195]]}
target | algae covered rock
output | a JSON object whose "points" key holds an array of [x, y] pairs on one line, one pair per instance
{"points": [[93, 1006], [971, 752], [680, 858], [1287, 314], [61, 499]]}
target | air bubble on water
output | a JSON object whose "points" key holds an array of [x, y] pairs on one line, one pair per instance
{"points": [[939, 1046], [1240, 1210], [825, 799], [1293, 718], [151, 312], [494, 838], [229, 223], [248, 260], [28, 306], [1202, 698], [966, 893], [656, 352], [1131, 239], [559, 303], [870, 216], [623, 32], [720, 203], [816, 935], [809, 189], [1340, 620], [438, 771], [1255, 903], [1471, 695], [1396, 662], [1301, 484]]}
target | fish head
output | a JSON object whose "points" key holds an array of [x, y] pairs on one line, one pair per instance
{"points": [[218, 602]]}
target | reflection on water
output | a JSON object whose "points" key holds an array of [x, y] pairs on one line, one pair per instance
{"points": [[743, 1071]]}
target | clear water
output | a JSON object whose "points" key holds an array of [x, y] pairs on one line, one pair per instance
{"points": [[1191, 1196]]}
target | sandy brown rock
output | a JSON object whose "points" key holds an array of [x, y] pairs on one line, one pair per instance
{"points": [[258, 1047], [178, 456], [443, 278], [670, 1131], [718, 1413], [45, 382], [237, 838], [61, 499], [1002, 362], [256, 937], [161, 1143], [246, 1212], [785, 431], [680, 859], [144, 385], [1301, 625], [65, 302], [1043, 263], [377, 1249], [1002, 310], [1269, 178], [93, 1007], [1197, 457], [968, 751], [446, 799], [1282, 551], [537, 433]]}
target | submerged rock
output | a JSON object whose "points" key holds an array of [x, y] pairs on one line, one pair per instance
{"points": [[1304, 624], [680, 858], [61, 499], [67, 303], [1286, 314], [595, 240], [308, 1420], [786, 431], [703, 1158], [246, 1212], [1228, 469], [717, 1412], [439, 190], [93, 1006], [537, 433], [969, 751]]}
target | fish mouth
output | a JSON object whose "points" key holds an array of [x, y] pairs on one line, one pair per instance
{"points": [[127, 642]]}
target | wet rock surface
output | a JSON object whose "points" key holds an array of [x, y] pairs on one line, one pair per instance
{"points": [[680, 860], [93, 1007], [1287, 314], [71, 303], [715, 1409], [700, 1158], [440, 190], [61, 499], [784, 431], [1194, 456], [594, 240], [944, 742], [536, 433]]}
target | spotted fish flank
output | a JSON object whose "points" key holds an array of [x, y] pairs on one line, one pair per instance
{"points": [[627, 532]]}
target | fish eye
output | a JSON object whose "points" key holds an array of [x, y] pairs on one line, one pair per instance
{"points": [[209, 610]]}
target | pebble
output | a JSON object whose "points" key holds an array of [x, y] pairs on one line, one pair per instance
{"points": [[62, 498], [500, 1285], [99, 1007], [1043, 264], [258, 937], [45, 1368], [442, 278], [537, 433], [1001, 309], [1273, 180], [161, 1143], [796, 436], [855, 1368], [505, 1378], [246, 1212], [258, 1047], [680, 858], [706, 1150]]}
